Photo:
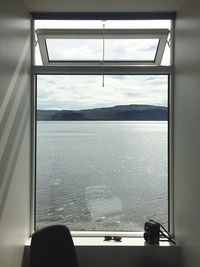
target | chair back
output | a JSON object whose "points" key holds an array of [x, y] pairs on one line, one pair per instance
{"points": [[52, 246]]}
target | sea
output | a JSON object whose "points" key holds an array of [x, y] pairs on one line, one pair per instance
{"points": [[101, 175]]}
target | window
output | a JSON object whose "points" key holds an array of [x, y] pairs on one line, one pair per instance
{"points": [[138, 46], [102, 125]]}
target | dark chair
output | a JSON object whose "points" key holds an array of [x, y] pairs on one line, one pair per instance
{"points": [[53, 246]]}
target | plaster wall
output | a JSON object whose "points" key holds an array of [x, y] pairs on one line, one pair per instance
{"points": [[14, 131], [187, 132]]}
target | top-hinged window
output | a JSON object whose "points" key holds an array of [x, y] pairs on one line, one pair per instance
{"points": [[97, 46]]}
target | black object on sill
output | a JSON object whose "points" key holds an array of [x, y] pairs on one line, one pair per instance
{"points": [[153, 231], [115, 238]]}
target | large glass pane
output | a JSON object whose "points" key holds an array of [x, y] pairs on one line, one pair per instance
{"points": [[115, 49], [102, 152]]}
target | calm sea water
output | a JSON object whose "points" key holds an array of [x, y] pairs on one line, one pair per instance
{"points": [[101, 175]]}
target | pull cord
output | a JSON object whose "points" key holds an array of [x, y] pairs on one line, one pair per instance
{"points": [[103, 60]]}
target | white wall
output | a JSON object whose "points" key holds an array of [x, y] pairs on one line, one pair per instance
{"points": [[14, 131], [187, 132]]}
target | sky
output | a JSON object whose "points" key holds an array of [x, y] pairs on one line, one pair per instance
{"points": [[75, 92], [87, 49]]}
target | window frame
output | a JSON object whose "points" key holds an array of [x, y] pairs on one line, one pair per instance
{"points": [[90, 70], [44, 34]]}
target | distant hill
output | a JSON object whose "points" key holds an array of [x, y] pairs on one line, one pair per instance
{"points": [[116, 113]]}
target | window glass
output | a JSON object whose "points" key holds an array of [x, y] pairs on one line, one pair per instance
{"points": [[102, 152], [115, 49], [97, 24]]}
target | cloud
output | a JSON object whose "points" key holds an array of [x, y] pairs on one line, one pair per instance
{"points": [[86, 49], [86, 91]]}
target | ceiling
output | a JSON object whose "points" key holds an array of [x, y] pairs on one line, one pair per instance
{"points": [[103, 5]]}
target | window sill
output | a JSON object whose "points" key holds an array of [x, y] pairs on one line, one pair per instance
{"points": [[125, 242]]}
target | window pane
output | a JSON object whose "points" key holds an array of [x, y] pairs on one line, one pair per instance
{"points": [[115, 49], [136, 49], [78, 49], [102, 152], [98, 24]]}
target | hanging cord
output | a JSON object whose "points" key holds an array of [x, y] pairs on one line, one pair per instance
{"points": [[103, 59], [169, 43], [35, 39], [165, 233], [169, 40]]}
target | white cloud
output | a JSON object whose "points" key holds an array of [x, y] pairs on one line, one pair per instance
{"points": [[121, 49], [82, 92]]}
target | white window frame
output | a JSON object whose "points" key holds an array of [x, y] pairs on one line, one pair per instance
{"points": [[43, 34], [86, 69]]}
